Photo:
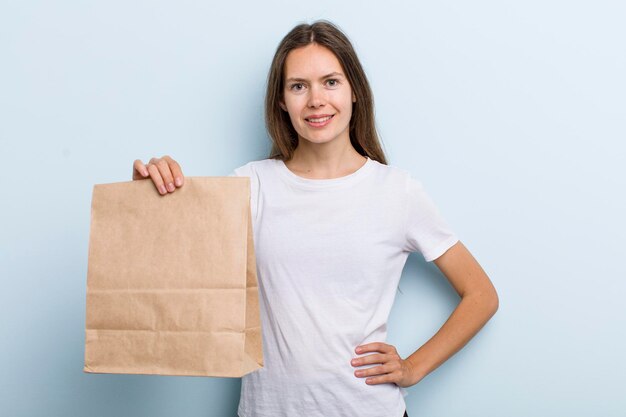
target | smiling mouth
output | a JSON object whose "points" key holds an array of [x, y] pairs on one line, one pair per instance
{"points": [[320, 120]]}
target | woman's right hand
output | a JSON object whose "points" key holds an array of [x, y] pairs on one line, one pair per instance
{"points": [[164, 172]]}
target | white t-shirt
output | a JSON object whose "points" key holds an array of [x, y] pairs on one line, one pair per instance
{"points": [[330, 253]]}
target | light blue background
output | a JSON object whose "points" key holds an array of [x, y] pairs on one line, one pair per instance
{"points": [[511, 114]]}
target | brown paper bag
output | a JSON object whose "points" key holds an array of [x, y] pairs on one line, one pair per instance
{"points": [[171, 280]]}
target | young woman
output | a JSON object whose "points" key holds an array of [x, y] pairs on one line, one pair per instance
{"points": [[333, 227]]}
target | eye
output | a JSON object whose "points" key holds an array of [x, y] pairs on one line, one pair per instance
{"points": [[296, 86], [333, 82]]}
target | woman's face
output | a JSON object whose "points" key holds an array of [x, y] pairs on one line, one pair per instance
{"points": [[317, 95]]}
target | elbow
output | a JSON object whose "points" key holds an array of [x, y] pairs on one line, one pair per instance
{"points": [[488, 300], [491, 299], [494, 302]]}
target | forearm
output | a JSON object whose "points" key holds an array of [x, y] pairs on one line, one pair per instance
{"points": [[466, 320]]}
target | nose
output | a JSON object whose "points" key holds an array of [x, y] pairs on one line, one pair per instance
{"points": [[317, 96]]}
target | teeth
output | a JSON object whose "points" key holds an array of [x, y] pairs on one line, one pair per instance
{"points": [[323, 119]]}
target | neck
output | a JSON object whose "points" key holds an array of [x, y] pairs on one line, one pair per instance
{"points": [[324, 161]]}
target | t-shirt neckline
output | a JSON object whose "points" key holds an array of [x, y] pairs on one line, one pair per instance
{"points": [[325, 182]]}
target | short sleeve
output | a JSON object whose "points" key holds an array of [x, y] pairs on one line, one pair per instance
{"points": [[427, 231], [242, 171], [248, 171]]}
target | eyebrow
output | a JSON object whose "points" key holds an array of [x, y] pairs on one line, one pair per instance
{"points": [[332, 74]]}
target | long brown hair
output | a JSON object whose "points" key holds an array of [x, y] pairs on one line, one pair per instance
{"points": [[363, 134]]}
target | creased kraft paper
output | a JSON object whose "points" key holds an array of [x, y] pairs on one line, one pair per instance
{"points": [[171, 280]]}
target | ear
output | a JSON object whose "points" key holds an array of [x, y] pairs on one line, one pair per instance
{"points": [[282, 105], [353, 98]]}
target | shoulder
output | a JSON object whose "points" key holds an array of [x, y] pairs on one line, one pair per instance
{"points": [[401, 178], [253, 168]]}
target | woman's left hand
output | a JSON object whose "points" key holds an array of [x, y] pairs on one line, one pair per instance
{"points": [[392, 369]]}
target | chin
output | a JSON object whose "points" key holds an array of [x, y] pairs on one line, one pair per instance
{"points": [[319, 136], [319, 140]]}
